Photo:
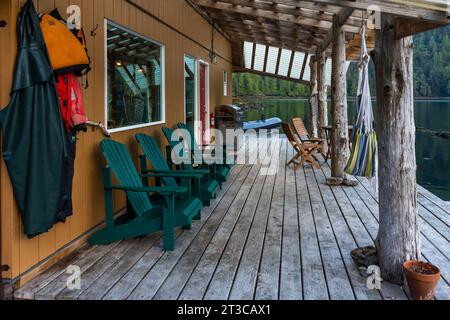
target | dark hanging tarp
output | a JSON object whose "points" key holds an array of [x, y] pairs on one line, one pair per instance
{"points": [[33, 133]]}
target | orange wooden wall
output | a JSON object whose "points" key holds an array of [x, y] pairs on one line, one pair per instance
{"points": [[22, 254]]}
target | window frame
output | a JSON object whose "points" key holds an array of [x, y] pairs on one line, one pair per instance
{"points": [[225, 83], [163, 79]]}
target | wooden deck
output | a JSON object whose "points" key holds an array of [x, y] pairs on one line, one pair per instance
{"points": [[283, 236]]}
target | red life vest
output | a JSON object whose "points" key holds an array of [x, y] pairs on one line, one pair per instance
{"points": [[71, 101]]}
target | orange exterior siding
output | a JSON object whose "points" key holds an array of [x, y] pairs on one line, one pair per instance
{"points": [[22, 254]]}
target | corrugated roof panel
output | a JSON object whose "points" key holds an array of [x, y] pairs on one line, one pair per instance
{"points": [[285, 61], [297, 65], [260, 55], [328, 68], [307, 74], [248, 54], [272, 59]]}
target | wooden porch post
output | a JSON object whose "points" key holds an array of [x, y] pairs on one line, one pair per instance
{"points": [[322, 94], [313, 99], [340, 150], [399, 237]]}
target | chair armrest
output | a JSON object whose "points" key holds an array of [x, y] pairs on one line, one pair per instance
{"points": [[171, 175], [181, 173], [315, 140], [160, 190]]}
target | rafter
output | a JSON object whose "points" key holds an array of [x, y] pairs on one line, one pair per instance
{"points": [[296, 11], [257, 22], [271, 15], [398, 9], [266, 74], [339, 20]]}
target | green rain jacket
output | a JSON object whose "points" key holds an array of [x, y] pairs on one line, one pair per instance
{"points": [[33, 133]]}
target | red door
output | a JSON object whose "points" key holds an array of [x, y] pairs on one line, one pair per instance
{"points": [[203, 106]]}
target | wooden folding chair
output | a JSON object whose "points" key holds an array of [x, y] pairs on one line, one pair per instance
{"points": [[305, 137], [304, 151]]}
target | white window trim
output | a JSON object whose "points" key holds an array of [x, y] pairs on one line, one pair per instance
{"points": [[207, 101], [163, 80], [196, 83], [225, 83]]}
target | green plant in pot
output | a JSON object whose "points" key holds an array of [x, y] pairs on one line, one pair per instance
{"points": [[422, 278]]}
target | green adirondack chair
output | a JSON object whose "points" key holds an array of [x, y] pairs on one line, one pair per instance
{"points": [[162, 172], [147, 217], [209, 185], [222, 170]]}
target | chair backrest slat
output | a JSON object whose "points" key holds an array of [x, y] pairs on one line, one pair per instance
{"points": [[193, 143], [169, 133], [152, 151], [119, 159], [300, 127], [290, 135]]}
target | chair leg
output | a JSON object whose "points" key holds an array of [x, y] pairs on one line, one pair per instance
{"points": [[169, 225], [294, 159]]}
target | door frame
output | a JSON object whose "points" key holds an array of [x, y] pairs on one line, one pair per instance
{"points": [[198, 131]]}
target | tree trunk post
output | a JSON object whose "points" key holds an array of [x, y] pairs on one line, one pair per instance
{"points": [[322, 94], [398, 237], [314, 99], [340, 150]]}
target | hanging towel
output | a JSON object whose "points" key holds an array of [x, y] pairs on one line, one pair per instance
{"points": [[33, 135]]}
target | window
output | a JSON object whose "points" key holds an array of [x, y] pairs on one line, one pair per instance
{"points": [[135, 80], [190, 89], [225, 83]]}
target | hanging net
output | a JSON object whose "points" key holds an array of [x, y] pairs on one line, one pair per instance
{"points": [[363, 161]]}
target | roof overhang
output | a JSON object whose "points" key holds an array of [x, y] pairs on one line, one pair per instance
{"points": [[306, 26]]}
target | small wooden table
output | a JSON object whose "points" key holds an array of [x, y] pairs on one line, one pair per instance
{"points": [[328, 131]]}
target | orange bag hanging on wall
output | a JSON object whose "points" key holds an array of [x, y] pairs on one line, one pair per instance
{"points": [[67, 53]]}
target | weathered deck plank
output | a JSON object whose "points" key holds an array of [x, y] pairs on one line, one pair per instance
{"points": [[282, 236], [291, 270], [224, 275], [267, 286], [247, 273], [314, 281], [368, 221], [350, 233], [28, 291], [150, 284], [339, 286], [201, 272], [130, 281]]}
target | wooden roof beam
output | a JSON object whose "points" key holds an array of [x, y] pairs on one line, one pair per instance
{"points": [[308, 5], [340, 20], [274, 42], [272, 75], [296, 11], [270, 15], [280, 35], [268, 25], [397, 9]]}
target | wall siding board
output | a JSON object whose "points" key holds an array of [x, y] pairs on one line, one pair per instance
{"points": [[21, 253]]}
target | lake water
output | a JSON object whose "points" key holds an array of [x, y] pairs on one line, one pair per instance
{"points": [[433, 153]]}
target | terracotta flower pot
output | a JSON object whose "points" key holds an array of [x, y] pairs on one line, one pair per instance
{"points": [[422, 278]]}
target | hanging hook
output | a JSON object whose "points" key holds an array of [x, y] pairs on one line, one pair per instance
{"points": [[94, 31]]}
